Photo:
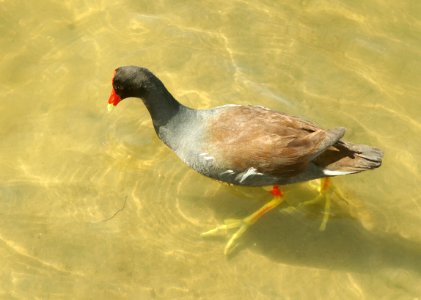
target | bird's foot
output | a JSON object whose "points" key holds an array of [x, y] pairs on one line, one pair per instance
{"points": [[244, 224], [229, 224], [325, 188], [324, 196]]}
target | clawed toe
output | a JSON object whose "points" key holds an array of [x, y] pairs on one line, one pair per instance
{"points": [[242, 226]]}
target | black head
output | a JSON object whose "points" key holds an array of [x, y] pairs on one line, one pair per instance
{"points": [[130, 81]]}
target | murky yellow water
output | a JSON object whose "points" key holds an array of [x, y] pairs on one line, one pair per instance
{"points": [[92, 204]]}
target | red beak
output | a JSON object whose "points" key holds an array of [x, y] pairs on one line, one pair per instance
{"points": [[113, 100]]}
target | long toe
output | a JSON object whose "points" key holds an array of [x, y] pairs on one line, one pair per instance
{"points": [[232, 242], [244, 224], [241, 224], [224, 228]]}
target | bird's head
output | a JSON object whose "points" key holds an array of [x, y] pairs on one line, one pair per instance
{"points": [[129, 81]]}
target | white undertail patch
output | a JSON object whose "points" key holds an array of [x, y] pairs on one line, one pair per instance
{"points": [[337, 173]]}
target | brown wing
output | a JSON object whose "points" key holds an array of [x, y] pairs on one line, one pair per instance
{"points": [[274, 143]]}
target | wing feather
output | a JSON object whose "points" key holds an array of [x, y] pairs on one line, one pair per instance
{"points": [[243, 137]]}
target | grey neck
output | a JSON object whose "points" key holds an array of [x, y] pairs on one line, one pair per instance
{"points": [[162, 106]]}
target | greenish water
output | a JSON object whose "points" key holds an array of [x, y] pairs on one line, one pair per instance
{"points": [[94, 206]]}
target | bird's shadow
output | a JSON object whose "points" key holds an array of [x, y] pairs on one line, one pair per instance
{"points": [[294, 238]]}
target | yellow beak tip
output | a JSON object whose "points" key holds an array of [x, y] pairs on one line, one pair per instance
{"points": [[110, 107]]}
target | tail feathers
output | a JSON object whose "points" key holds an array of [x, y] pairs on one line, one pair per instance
{"points": [[367, 157], [370, 157], [344, 158]]}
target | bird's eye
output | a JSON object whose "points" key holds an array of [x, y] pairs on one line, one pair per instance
{"points": [[118, 87]]}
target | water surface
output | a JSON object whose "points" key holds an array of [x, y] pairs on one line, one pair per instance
{"points": [[94, 206]]}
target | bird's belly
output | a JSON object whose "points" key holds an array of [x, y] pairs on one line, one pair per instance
{"points": [[205, 164]]}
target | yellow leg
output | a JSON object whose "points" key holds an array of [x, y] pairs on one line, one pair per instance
{"points": [[324, 194], [244, 224], [326, 212]]}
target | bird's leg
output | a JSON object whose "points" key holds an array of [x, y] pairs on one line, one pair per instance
{"points": [[324, 186], [244, 224], [324, 194]]}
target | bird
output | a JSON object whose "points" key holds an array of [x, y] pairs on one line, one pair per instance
{"points": [[245, 145]]}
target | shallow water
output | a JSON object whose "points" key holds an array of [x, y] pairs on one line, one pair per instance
{"points": [[94, 206]]}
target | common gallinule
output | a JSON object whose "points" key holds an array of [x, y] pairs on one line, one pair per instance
{"points": [[244, 145]]}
